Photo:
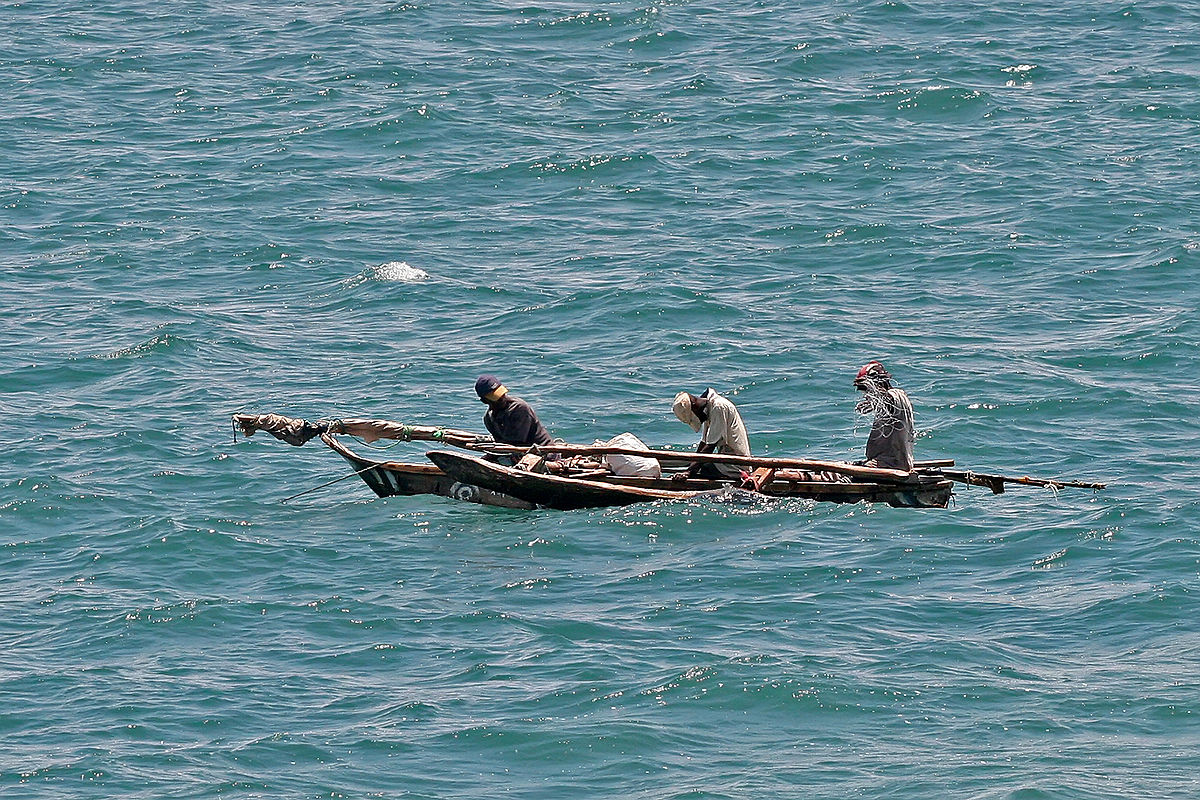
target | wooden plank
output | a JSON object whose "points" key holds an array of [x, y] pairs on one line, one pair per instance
{"points": [[759, 478], [934, 463], [531, 462]]}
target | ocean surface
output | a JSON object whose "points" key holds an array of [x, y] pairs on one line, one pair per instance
{"points": [[329, 209]]}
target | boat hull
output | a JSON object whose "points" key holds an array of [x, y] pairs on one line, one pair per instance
{"points": [[393, 478], [474, 480], [552, 491], [548, 491]]}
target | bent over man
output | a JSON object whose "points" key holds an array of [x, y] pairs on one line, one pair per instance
{"points": [[721, 431]]}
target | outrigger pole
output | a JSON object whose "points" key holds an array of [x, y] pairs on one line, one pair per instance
{"points": [[996, 482]]}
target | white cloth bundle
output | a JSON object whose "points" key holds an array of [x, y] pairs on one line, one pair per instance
{"points": [[639, 466]]}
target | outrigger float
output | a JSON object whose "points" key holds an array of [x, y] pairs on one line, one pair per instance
{"points": [[581, 479]]}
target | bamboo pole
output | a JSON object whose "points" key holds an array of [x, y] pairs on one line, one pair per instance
{"points": [[815, 465]]}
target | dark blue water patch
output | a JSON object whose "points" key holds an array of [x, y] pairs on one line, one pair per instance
{"points": [[600, 164], [659, 44], [934, 103], [37, 504], [675, 309], [1154, 103]]}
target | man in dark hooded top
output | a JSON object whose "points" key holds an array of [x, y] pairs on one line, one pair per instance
{"points": [[890, 443]]}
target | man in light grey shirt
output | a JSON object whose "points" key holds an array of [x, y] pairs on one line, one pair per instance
{"points": [[721, 431]]}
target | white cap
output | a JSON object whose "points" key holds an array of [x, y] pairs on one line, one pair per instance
{"points": [[683, 410]]}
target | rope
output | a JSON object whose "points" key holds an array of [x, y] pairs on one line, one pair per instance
{"points": [[329, 483], [380, 446], [406, 434]]}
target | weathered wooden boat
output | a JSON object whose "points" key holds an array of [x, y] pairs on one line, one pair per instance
{"points": [[528, 481], [568, 493], [398, 478]]}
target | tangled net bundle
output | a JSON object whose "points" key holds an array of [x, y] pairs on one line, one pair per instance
{"points": [[883, 411]]}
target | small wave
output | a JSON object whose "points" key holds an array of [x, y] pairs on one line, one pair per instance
{"points": [[938, 100], [591, 163], [582, 18], [941, 98], [162, 342], [693, 677], [1049, 560], [1021, 75]]}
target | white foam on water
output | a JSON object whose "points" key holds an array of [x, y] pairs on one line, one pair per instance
{"points": [[396, 271], [391, 272]]}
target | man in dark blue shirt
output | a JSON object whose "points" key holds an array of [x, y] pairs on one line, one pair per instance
{"points": [[509, 419]]}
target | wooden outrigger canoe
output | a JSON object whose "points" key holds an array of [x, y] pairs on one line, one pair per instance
{"points": [[474, 479], [477, 481]]}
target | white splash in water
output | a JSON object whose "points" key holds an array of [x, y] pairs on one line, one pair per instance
{"points": [[391, 272], [396, 271]]}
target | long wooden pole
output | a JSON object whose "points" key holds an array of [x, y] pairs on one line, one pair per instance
{"points": [[993, 482], [815, 465]]}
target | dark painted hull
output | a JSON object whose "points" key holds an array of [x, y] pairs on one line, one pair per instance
{"points": [[393, 478], [549, 491], [476, 481], [928, 491]]}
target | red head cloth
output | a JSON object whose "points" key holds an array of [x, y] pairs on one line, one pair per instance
{"points": [[872, 371]]}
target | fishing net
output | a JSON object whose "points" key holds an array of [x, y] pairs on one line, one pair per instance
{"points": [[886, 413]]}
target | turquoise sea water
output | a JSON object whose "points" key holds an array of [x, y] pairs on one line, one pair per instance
{"points": [[352, 209]]}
